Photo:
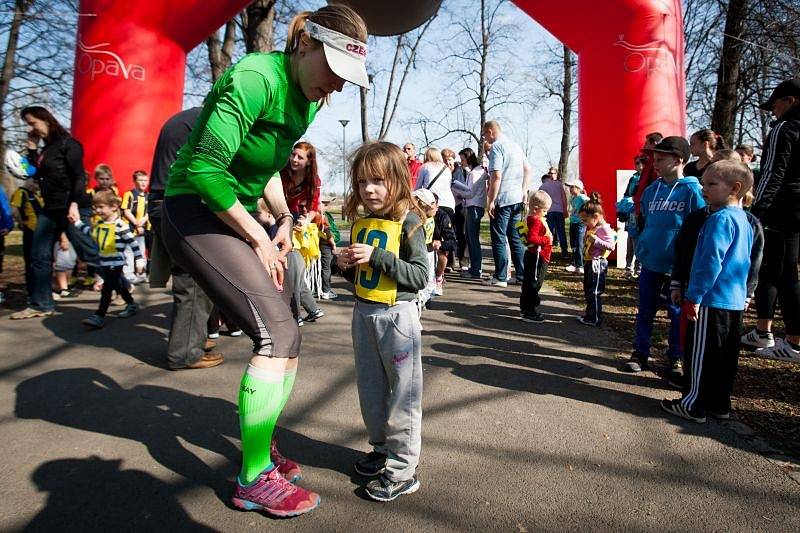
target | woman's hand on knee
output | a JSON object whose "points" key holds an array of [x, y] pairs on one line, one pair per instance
{"points": [[273, 263]]}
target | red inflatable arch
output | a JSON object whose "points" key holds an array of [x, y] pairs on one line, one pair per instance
{"points": [[130, 61]]}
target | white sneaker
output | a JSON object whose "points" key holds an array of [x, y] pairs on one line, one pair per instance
{"points": [[439, 290], [757, 341], [330, 295], [580, 270], [571, 268], [492, 281], [782, 351]]}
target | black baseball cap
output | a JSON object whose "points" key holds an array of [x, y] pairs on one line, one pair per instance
{"points": [[784, 89], [674, 145]]}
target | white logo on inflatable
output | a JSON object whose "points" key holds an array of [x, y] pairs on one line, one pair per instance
{"points": [[94, 60], [650, 57]]}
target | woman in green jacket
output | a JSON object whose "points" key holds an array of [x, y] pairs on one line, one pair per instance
{"points": [[252, 117]]}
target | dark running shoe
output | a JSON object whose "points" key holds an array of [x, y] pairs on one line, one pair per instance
{"points": [[385, 490], [674, 407], [371, 465], [533, 317], [719, 416], [636, 363], [586, 322], [314, 315]]}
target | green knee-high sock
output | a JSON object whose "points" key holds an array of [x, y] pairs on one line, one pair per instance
{"points": [[288, 383], [260, 403]]}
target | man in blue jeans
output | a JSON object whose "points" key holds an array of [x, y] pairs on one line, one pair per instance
{"points": [[665, 204], [509, 179]]}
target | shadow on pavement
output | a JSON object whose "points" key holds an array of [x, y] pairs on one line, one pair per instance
{"points": [[159, 418], [135, 336], [96, 495]]}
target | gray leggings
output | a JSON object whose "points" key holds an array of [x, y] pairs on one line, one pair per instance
{"points": [[230, 273]]}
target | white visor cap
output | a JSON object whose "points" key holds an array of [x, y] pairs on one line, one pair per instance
{"points": [[347, 57]]}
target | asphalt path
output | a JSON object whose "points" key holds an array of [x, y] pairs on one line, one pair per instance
{"points": [[526, 427]]}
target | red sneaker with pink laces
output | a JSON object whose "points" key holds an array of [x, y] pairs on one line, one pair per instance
{"points": [[271, 493], [288, 468]]}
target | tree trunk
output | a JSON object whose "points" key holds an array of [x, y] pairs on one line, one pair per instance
{"points": [[363, 92], [259, 28], [723, 118], [9, 62], [566, 115], [220, 54], [482, 96]]}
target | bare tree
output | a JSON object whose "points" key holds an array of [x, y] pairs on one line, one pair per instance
{"points": [[258, 21], [723, 117], [220, 53], [405, 53], [486, 80]]}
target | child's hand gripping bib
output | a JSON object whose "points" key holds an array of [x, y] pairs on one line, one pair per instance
{"points": [[372, 284], [105, 234]]}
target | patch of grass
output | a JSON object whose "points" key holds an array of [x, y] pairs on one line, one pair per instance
{"points": [[766, 393]]}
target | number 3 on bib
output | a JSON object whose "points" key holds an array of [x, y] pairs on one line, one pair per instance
{"points": [[372, 284]]}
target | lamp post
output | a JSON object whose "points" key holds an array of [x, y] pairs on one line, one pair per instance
{"points": [[344, 162]]}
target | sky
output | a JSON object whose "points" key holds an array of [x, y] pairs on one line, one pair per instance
{"points": [[427, 88]]}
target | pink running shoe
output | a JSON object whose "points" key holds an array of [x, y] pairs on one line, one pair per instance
{"points": [[288, 468], [272, 494]]}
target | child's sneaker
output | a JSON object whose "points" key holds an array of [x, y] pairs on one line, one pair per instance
{"points": [[676, 374], [439, 289], [586, 322], [93, 321], [299, 322], [314, 315], [273, 494], [288, 468], [372, 464], [214, 335], [385, 490], [571, 268], [330, 295], [494, 282], [533, 317], [782, 351], [636, 363], [129, 311], [235, 333], [757, 340], [580, 270], [674, 407]]}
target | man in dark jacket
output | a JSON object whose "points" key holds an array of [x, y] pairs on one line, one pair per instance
{"points": [[187, 346], [777, 205]]}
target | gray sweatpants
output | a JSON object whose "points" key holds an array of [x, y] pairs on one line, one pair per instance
{"points": [[387, 341], [295, 277]]}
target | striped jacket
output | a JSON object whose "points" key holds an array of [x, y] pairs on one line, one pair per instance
{"points": [[112, 238], [777, 193]]}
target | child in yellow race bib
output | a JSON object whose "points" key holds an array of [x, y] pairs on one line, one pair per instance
{"points": [[387, 262]]}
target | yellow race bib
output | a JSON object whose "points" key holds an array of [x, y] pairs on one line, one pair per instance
{"points": [[371, 284], [105, 234], [429, 226], [522, 230]]}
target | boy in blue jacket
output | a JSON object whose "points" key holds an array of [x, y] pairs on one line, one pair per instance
{"points": [[665, 204], [715, 298]]}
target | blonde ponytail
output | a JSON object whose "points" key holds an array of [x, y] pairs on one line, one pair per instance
{"points": [[296, 28]]}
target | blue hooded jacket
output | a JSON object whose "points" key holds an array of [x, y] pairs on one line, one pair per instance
{"points": [[6, 221], [664, 206], [722, 261]]}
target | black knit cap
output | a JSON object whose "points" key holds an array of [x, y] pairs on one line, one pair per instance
{"points": [[674, 145], [784, 89]]}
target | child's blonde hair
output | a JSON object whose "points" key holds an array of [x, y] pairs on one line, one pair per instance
{"points": [[380, 158], [730, 172], [104, 169], [540, 200], [106, 198], [726, 154]]}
